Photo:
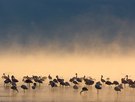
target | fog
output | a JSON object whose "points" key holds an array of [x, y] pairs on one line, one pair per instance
{"points": [[91, 38], [55, 60]]}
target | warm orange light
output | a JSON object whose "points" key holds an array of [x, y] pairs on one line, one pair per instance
{"points": [[67, 65]]}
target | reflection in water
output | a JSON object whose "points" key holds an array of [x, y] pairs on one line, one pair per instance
{"points": [[66, 94]]}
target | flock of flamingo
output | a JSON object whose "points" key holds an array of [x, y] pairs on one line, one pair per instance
{"points": [[35, 81]]}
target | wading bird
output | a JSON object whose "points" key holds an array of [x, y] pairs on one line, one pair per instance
{"points": [[84, 89], [98, 86], [75, 87], [14, 88], [24, 87]]}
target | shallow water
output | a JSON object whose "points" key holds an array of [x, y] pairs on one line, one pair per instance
{"points": [[45, 93]]}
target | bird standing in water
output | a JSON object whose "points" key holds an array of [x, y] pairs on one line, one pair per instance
{"points": [[75, 87], [84, 89], [14, 88], [118, 88], [102, 80], [24, 87], [98, 86], [34, 86]]}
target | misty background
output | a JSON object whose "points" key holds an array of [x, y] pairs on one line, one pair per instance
{"points": [[91, 37], [67, 25]]}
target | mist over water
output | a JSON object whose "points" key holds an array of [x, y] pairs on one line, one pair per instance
{"points": [[110, 60], [91, 38], [64, 37], [87, 53]]}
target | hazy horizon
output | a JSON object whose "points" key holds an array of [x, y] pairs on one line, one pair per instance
{"points": [[90, 37]]}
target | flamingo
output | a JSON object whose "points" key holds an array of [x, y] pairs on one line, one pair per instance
{"points": [[115, 83], [14, 79], [88, 81], [75, 87], [84, 89], [7, 81], [53, 84], [102, 80], [14, 88], [67, 84], [62, 83], [124, 81], [59, 80], [117, 88], [130, 81], [98, 86], [49, 77], [4, 76], [28, 81], [34, 86], [55, 80], [75, 82], [24, 87], [109, 83]]}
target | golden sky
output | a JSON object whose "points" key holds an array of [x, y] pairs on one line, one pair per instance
{"points": [[66, 65]]}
